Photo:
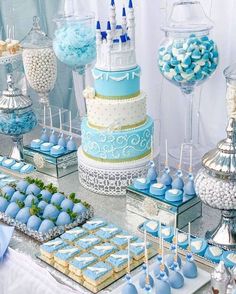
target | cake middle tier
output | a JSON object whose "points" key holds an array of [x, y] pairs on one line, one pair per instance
{"points": [[117, 146], [123, 114], [117, 84]]}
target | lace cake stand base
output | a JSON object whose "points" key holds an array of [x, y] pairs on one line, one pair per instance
{"points": [[109, 179]]}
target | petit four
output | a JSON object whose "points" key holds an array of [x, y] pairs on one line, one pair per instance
{"points": [[88, 242], [229, 258], [151, 227], [94, 224], [106, 233], [35, 144], [142, 183], [158, 189], [48, 248], [27, 168], [23, 215], [121, 240], [102, 251], [34, 223], [81, 262], [174, 195], [63, 255], [17, 166], [8, 162], [190, 268], [137, 249], [57, 150], [198, 246], [118, 260], [214, 253], [97, 273], [46, 147], [166, 232], [73, 234]]}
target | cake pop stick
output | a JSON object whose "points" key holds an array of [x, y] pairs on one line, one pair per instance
{"points": [[166, 154], [189, 188], [191, 160], [181, 157], [44, 115], [71, 145], [44, 137], [152, 148], [61, 141], [166, 179], [60, 120], [176, 245], [178, 182], [128, 269], [189, 237], [53, 137]]}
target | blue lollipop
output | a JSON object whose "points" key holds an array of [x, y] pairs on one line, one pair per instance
{"points": [[44, 136], [152, 173], [71, 145]]}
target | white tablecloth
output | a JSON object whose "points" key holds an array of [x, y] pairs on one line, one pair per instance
{"points": [[19, 274]]}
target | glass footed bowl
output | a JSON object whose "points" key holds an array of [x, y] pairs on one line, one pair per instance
{"points": [[187, 58], [75, 42]]}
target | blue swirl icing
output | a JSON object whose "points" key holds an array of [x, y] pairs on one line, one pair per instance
{"points": [[75, 44], [17, 123], [117, 83], [106, 145]]}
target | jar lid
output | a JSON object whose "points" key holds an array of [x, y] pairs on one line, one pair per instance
{"points": [[36, 38], [187, 16], [222, 160], [12, 98]]}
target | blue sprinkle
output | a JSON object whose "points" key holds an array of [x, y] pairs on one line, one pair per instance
{"points": [[178, 78], [166, 67], [187, 60], [206, 56], [174, 61], [189, 71]]}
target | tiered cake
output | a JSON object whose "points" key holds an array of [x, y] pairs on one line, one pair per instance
{"points": [[117, 133]]}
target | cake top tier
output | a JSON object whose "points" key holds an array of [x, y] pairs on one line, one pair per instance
{"points": [[116, 44]]}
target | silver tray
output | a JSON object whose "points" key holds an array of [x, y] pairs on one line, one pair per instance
{"points": [[51, 234]]}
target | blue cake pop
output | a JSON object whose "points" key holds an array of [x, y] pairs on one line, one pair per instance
{"points": [[53, 138], [143, 278], [170, 259], [157, 268], [176, 280], [166, 179], [152, 173], [189, 188], [190, 268], [44, 137], [71, 145], [129, 288], [178, 182], [162, 285], [62, 141]]}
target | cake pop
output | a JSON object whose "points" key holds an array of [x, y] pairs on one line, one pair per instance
{"points": [[146, 281], [159, 266], [189, 188], [178, 182], [152, 173], [162, 285], [166, 179], [61, 141], [53, 137], [44, 136], [71, 145], [173, 256], [129, 288], [176, 279]]}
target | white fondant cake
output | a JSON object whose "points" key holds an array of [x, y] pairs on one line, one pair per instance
{"points": [[116, 114]]}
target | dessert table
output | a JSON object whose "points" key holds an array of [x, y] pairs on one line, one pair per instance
{"points": [[21, 270]]}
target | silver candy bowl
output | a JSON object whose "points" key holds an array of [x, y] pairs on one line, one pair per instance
{"points": [[51, 234], [215, 184]]}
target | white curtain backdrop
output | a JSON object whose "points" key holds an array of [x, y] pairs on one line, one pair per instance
{"points": [[164, 99]]}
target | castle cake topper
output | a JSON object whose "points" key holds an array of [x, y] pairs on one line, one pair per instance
{"points": [[116, 44]]}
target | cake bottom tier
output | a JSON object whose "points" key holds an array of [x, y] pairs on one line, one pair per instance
{"points": [[109, 178]]}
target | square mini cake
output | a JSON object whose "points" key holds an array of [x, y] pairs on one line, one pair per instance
{"points": [[48, 249], [102, 251], [121, 239], [94, 224], [107, 232], [137, 248], [63, 255], [87, 242], [79, 263], [73, 234], [119, 260], [97, 273]]}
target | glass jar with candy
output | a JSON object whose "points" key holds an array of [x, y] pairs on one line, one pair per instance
{"points": [[188, 56], [16, 117]]}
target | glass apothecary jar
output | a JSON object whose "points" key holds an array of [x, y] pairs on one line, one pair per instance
{"points": [[39, 61]]}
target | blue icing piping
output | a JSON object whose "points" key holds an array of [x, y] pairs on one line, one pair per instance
{"points": [[117, 83]]}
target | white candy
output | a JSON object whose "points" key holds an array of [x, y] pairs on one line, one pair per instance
{"points": [[215, 192], [40, 68]]}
